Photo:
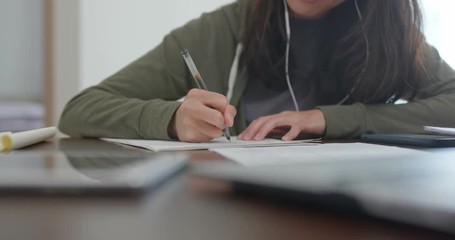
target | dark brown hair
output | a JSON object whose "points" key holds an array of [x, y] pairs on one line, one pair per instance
{"points": [[393, 28]]}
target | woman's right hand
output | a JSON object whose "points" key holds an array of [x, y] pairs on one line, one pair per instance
{"points": [[202, 117]]}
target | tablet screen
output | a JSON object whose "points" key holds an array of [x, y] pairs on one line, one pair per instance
{"points": [[86, 171]]}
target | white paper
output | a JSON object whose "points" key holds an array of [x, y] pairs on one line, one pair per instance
{"points": [[441, 130], [316, 152], [222, 142]]}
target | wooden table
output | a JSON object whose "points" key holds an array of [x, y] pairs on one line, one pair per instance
{"points": [[177, 211]]}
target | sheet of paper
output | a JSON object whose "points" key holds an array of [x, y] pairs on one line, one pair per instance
{"points": [[157, 145], [440, 130], [317, 152]]}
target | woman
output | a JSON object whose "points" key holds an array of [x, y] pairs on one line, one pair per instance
{"points": [[331, 68]]}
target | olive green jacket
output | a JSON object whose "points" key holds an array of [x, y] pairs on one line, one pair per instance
{"points": [[139, 101]]}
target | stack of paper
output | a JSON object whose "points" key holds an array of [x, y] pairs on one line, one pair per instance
{"points": [[327, 152], [157, 145]]}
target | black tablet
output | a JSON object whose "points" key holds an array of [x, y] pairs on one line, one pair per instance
{"points": [[419, 140], [86, 172]]}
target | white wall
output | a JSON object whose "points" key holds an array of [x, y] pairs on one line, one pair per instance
{"points": [[438, 25], [21, 50], [127, 29], [96, 38]]}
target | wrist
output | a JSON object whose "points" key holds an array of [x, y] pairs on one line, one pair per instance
{"points": [[171, 129]]}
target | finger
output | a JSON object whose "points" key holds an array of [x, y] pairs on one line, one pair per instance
{"points": [[292, 134], [268, 126], [191, 133], [191, 127], [200, 132], [229, 115], [247, 132], [252, 129], [208, 115], [209, 130], [211, 99]]}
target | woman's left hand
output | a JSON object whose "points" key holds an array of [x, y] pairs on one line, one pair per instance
{"points": [[310, 122]]}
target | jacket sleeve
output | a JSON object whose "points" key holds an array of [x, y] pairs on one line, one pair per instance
{"points": [[433, 105], [139, 101]]}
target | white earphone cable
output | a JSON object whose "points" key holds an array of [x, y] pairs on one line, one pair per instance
{"points": [[286, 66]]}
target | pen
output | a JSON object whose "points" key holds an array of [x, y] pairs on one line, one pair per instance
{"points": [[200, 83]]}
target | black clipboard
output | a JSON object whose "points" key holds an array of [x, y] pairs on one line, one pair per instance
{"points": [[418, 140]]}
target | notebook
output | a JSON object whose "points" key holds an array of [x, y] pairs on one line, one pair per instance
{"points": [[417, 190]]}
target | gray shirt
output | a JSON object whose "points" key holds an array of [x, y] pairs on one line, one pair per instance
{"points": [[261, 100]]}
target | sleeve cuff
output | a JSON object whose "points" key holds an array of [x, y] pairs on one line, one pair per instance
{"points": [[154, 120], [344, 121]]}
